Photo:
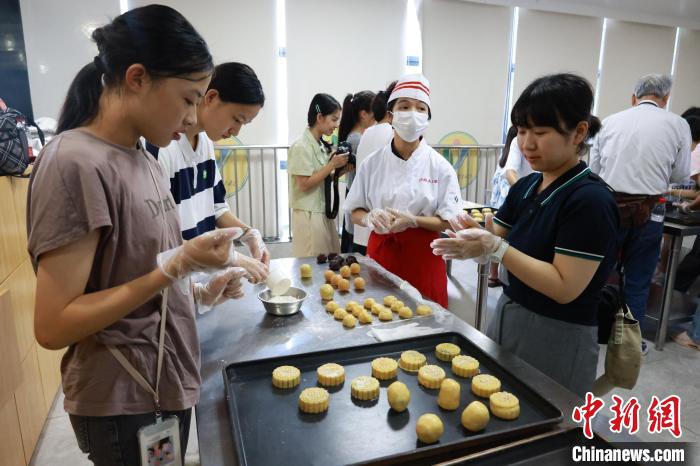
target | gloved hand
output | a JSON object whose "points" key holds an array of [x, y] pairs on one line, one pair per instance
{"points": [[463, 221], [206, 253], [223, 285], [378, 220], [256, 270], [253, 239], [685, 208], [472, 243], [403, 220]]}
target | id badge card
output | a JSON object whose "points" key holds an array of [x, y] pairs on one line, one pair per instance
{"points": [[159, 443]]}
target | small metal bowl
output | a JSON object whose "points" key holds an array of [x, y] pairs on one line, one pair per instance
{"points": [[282, 309]]}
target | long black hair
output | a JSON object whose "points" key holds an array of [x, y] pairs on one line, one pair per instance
{"points": [[510, 135], [352, 106], [237, 83], [559, 101], [379, 103], [321, 104], [156, 36]]}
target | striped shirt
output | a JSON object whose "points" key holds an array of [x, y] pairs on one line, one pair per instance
{"points": [[195, 183]]}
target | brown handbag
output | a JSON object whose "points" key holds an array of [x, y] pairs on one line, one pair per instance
{"points": [[635, 209]]}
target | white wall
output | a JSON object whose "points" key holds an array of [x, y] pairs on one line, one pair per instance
{"points": [[467, 67], [546, 45], [57, 39], [340, 47], [686, 88], [242, 31], [631, 51]]}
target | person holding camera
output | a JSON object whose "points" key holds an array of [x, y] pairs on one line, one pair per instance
{"points": [[405, 192], [309, 164], [356, 117]]}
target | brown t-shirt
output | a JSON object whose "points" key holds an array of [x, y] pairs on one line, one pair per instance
{"points": [[82, 183]]}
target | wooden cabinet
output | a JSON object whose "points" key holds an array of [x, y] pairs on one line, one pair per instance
{"points": [[11, 252], [10, 360], [30, 374], [31, 406], [11, 451]]}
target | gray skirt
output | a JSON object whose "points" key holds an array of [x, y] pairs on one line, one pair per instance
{"points": [[566, 352]]}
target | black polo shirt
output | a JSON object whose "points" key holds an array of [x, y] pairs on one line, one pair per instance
{"points": [[576, 215]]}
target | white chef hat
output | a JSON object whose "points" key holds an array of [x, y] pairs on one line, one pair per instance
{"points": [[412, 86]]}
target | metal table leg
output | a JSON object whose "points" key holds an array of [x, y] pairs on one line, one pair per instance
{"points": [[481, 294], [665, 311]]}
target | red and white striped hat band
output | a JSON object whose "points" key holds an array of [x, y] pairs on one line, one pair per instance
{"points": [[415, 86]]}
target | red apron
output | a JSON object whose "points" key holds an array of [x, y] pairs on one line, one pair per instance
{"points": [[408, 254]]}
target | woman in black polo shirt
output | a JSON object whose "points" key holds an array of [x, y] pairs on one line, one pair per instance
{"points": [[555, 234]]}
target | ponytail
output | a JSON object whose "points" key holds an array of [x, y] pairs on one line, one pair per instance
{"points": [[346, 119], [352, 106], [156, 36], [83, 99]]}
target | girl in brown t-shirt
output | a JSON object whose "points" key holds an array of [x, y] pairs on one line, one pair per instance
{"points": [[99, 214]]}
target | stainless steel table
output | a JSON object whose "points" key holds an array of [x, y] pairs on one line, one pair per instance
{"points": [[240, 330], [677, 232]]}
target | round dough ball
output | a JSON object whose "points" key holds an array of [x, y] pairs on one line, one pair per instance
{"points": [[340, 314], [331, 306], [335, 280], [386, 315], [343, 285], [449, 395], [423, 310], [377, 308], [405, 312], [359, 283], [328, 275], [345, 271], [388, 300], [306, 271], [365, 317], [327, 292], [369, 302], [349, 321], [349, 305], [429, 428], [475, 416], [355, 268], [399, 396], [396, 306]]}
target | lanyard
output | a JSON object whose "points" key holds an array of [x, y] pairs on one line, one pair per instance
{"points": [[119, 356]]}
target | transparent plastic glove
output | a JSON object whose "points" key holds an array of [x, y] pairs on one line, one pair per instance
{"points": [[256, 271], [403, 220], [472, 243], [253, 239], [206, 253], [223, 285], [378, 220], [463, 221], [685, 207]]}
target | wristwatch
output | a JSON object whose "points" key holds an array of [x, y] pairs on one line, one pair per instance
{"points": [[497, 255]]}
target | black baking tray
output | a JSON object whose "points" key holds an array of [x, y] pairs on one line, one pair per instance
{"points": [[552, 450], [678, 216], [269, 429]]}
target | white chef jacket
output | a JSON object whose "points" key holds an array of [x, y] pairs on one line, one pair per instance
{"points": [[425, 184], [642, 150], [374, 138]]}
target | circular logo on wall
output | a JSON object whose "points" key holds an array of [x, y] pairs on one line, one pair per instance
{"points": [[464, 161], [233, 164]]}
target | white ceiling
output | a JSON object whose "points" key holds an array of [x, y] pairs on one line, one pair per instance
{"points": [[683, 13]]}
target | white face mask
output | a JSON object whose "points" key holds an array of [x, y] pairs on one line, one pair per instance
{"points": [[409, 125]]}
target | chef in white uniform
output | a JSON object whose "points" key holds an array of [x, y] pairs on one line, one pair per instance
{"points": [[405, 193]]}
